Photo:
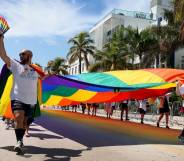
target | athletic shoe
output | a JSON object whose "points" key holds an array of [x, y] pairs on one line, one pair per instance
{"points": [[167, 127], [7, 127], [18, 147]]}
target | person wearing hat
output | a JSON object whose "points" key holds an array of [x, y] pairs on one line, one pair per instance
{"points": [[24, 89]]}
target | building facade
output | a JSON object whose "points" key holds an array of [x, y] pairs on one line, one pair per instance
{"points": [[103, 30]]}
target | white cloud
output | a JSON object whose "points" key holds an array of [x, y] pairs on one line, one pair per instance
{"points": [[42, 18], [46, 18]]}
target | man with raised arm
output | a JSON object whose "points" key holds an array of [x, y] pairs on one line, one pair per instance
{"points": [[24, 89]]}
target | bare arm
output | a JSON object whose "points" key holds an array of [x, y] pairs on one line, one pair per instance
{"points": [[3, 54]]}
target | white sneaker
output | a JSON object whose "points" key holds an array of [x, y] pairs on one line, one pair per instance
{"points": [[7, 127], [18, 147]]}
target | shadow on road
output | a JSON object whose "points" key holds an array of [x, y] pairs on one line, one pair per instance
{"points": [[45, 136], [94, 136], [35, 129], [51, 153]]}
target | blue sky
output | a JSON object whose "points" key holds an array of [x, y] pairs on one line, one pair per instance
{"points": [[44, 26]]}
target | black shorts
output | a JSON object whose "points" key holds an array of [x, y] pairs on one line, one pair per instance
{"points": [[20, 106], [164, 110], [142, 111], [123, 106]]}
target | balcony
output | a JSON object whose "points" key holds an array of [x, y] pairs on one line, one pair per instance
{"points": [[135, 14]]}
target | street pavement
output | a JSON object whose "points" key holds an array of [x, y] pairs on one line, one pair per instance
{"points": [[72, 136]]}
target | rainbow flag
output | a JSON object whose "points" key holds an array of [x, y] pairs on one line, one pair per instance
{"points": [[4, 27], [110, 86]]}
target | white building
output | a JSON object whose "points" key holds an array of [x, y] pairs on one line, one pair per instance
{"points": [[158, 8], [102, 30]]}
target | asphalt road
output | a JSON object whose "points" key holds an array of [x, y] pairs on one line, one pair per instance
{"points": [[69, 136]]}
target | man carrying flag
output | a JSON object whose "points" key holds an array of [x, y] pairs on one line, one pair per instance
{"points": [[24, 90]]}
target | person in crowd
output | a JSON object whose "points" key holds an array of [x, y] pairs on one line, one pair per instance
{"points": [[94, 109], [163, 106], [83, 106], [113, 107], [89, 107], [124, 108], [7, 122], [142, 109], [74, 108], [180, 92], [107, 107]]}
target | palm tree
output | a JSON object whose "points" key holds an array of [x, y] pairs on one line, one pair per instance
{"points": [[166, 41], [109, 60], [139, 44], [49, 66], [147, 48], [179, 16], [114, 55], [57, 66], [82, 46], [125, 45], [170, 35], [179, 11]]}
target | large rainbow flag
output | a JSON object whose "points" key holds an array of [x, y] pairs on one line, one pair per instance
{"points": [[6, 82], [108, 86]]}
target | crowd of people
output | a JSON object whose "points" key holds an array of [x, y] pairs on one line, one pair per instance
{"points": [[142, 106], [161, 103]]}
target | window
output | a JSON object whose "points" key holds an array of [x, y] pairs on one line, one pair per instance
{"points": [[182, 66], [109, 33]]}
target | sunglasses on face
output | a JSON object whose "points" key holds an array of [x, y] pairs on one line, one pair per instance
{"points": [[22, 54]]}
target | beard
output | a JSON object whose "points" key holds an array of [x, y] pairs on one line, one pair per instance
{"points": [[24, 60]]}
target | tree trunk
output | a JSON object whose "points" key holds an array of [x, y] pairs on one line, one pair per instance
{"points": [[80, 59], [132, 63], [158, 60], [140, 59], [86, 61], [112, 67]]}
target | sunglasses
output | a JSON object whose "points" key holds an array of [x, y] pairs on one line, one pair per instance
{"points": [[22, 54]]}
